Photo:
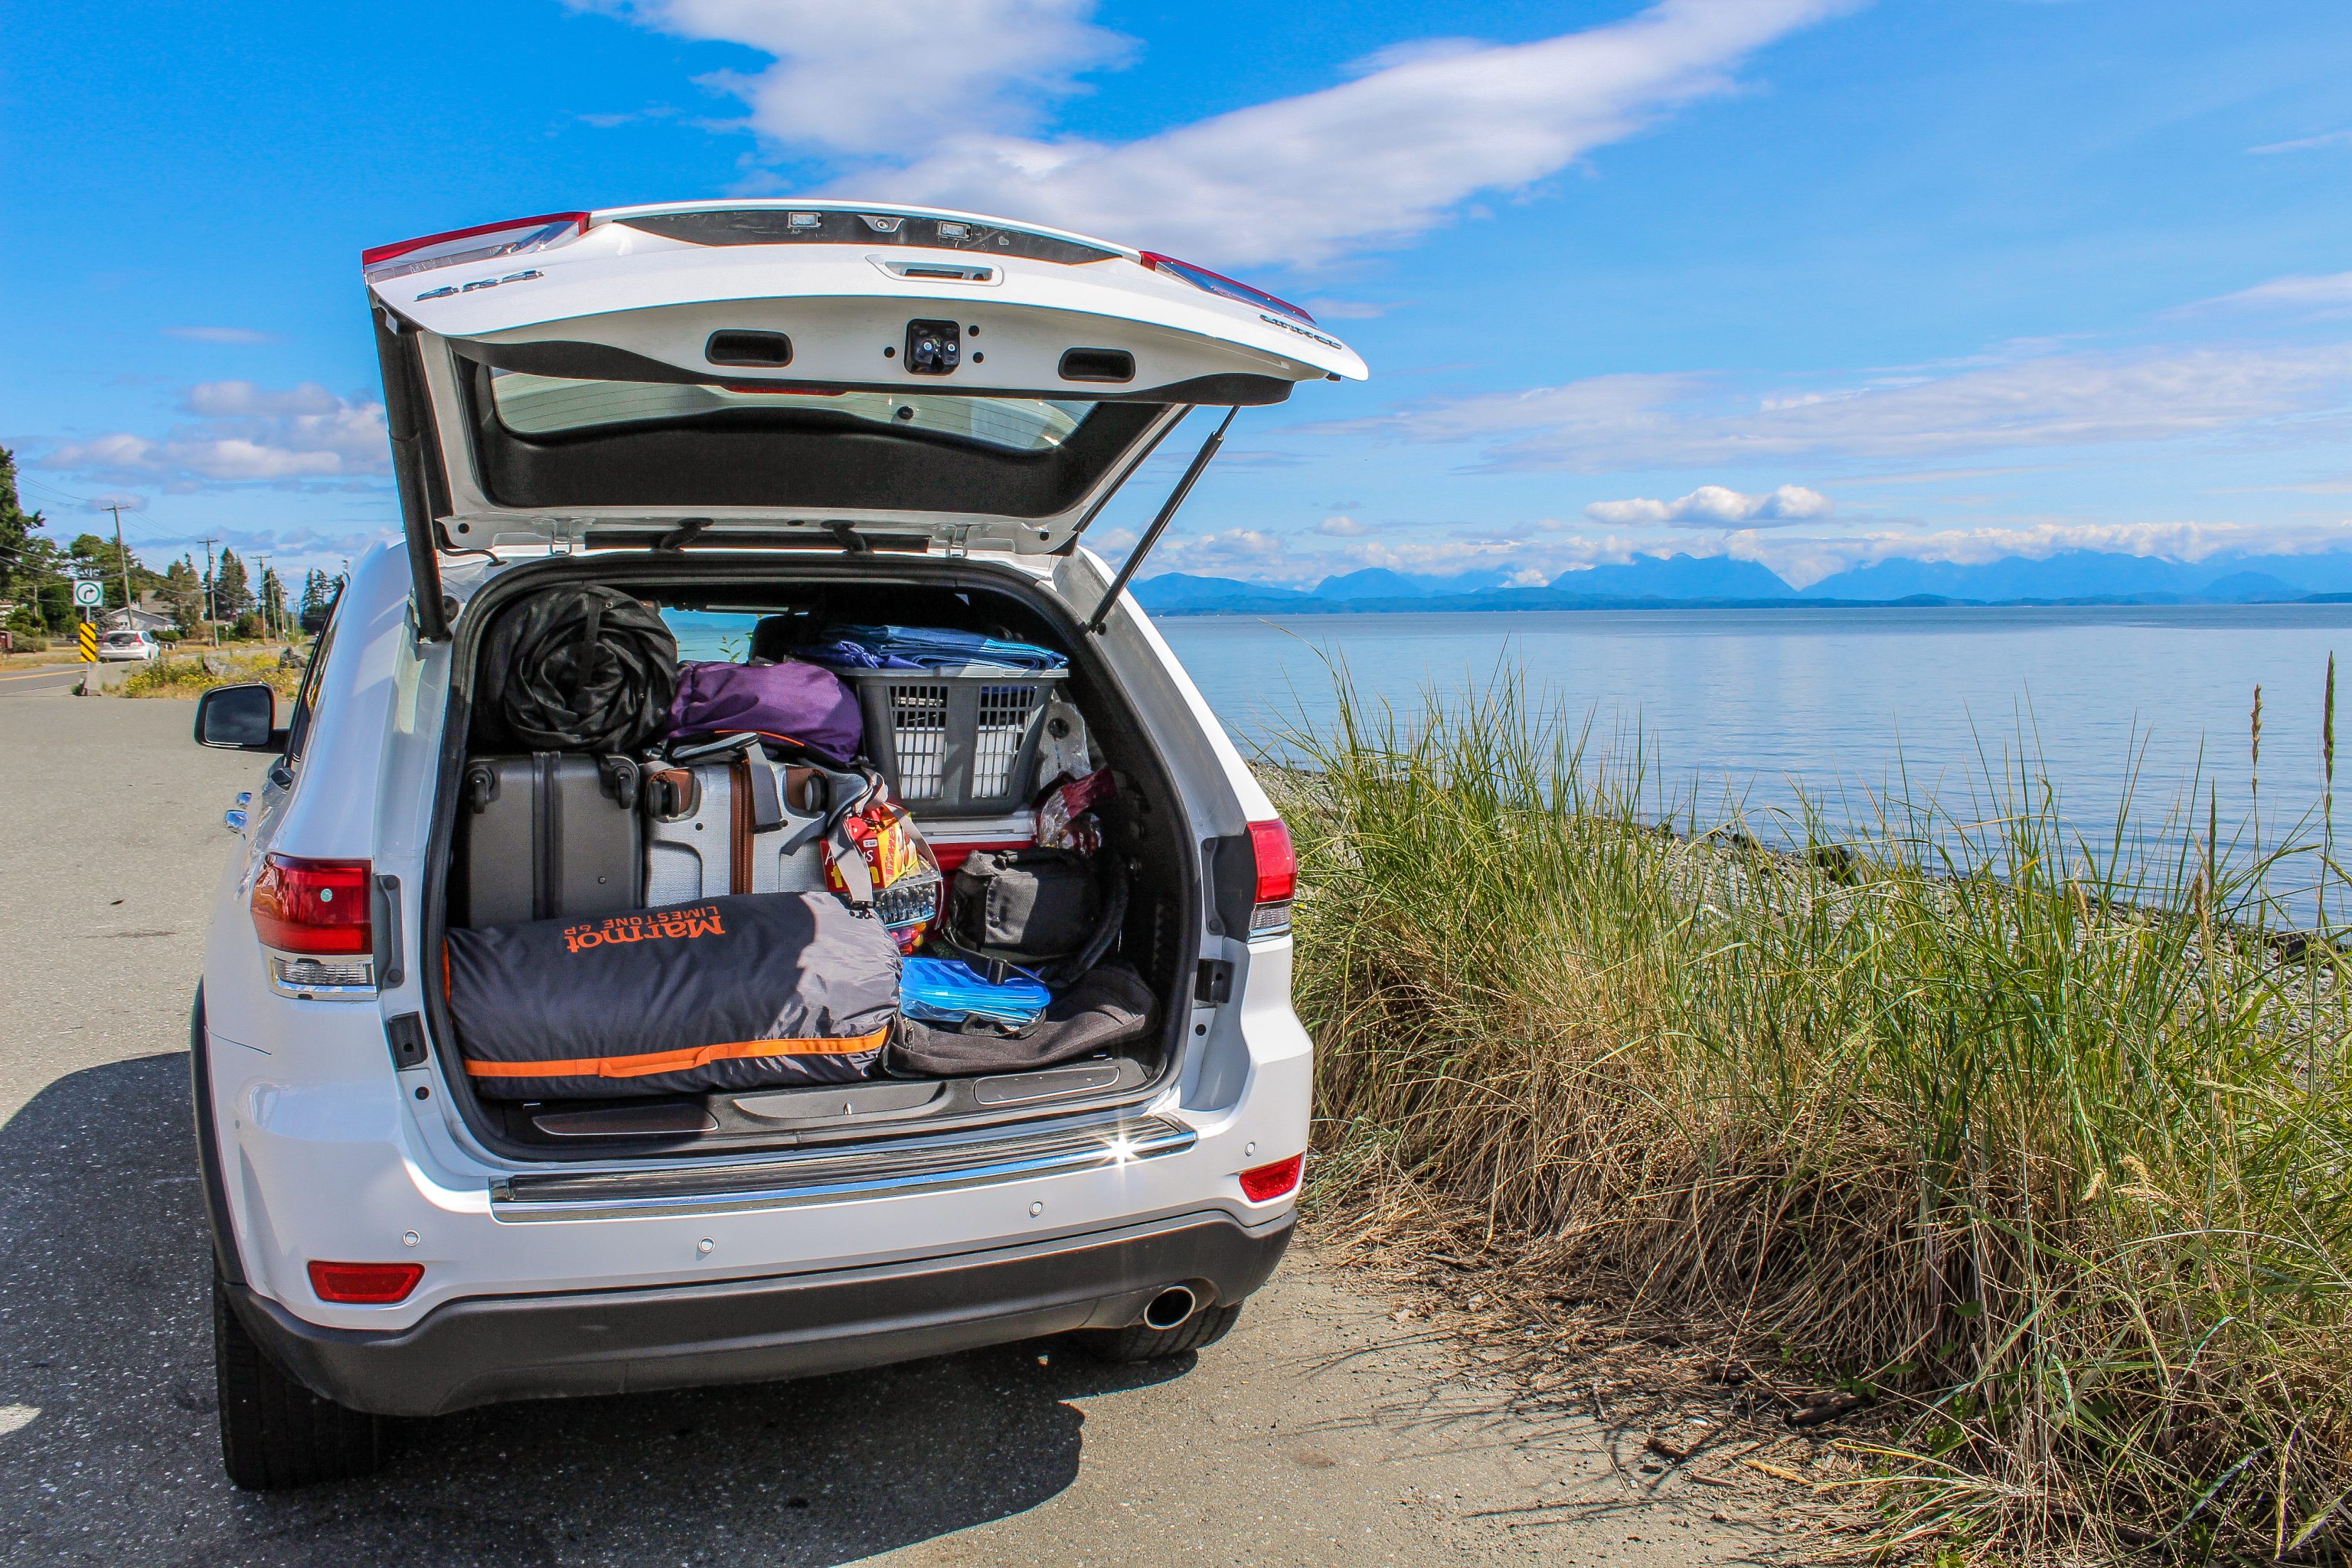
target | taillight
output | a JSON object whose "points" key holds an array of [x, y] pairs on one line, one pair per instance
{"points": [[1278, 877], [365, 1284], [312, 905], [1218, 284], [483, 242], [1263, 1184]]}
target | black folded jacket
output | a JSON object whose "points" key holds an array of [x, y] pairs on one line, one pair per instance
{"points": [[1109, 1006]]}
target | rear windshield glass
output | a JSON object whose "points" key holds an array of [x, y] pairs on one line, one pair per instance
{"points": [[547, 405], [545, 441]]}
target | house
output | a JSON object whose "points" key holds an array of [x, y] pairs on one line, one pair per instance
{"points": [[142, 620]]}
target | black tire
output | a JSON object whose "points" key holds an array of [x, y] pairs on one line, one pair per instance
{"points": [[274, 1432], [1143, 1342]]}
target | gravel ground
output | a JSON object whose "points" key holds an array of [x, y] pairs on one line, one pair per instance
{"points": [[1322, 1431]]}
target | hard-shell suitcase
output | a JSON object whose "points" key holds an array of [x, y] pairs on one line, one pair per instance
{"points": [[548, 836], [743, 824]]}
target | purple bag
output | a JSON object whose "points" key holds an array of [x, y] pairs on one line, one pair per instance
{"points": [[804, 704]]}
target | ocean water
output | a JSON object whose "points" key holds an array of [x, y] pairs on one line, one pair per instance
{"points": [[1741, 711]]}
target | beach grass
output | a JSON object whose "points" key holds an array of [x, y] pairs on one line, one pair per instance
{"points": [[2039, 1136]]}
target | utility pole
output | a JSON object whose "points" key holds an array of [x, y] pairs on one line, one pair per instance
{"points": [[130, 620], [264, 584], [212, 613]]}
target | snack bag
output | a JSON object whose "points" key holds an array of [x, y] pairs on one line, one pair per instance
{"points": [[1066, 818], [876, 858]]}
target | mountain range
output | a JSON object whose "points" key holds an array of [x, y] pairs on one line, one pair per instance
{"points": [[2073, 576]]}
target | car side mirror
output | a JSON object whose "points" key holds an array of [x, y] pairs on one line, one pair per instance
{"points": [[239, 719]]}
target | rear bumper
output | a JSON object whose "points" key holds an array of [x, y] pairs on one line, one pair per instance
{"points": [[484, 1350]]}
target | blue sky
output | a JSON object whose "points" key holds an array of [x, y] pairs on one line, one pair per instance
{"points": [[1807, 281]]}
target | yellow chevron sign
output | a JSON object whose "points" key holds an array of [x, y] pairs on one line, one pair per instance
{"points": [[90, 642]]}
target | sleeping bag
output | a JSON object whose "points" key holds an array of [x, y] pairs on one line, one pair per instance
{"points": [[748, 991]]}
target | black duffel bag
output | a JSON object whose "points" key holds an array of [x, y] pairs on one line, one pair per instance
{"points": [[1035, 903], [748, 992], [579, 668]]}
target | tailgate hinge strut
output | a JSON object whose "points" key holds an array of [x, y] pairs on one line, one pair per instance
{"points": [[1159, 524]]}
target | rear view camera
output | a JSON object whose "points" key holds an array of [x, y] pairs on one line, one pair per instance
{"points": [[934, 348]]}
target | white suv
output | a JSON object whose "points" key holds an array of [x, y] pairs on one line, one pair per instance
{"points": [[877, 413]]}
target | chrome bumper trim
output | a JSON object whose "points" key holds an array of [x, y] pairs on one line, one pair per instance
{"points": [[835, 1177]]}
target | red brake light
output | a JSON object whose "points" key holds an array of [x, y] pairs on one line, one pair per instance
{"points": [[1218, 283], [1261, 1184], [365, 1284], [312, 905], [1278, 877], [483, 242]]}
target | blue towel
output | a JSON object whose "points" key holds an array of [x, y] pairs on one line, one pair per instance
{"points": [[926, 647]]}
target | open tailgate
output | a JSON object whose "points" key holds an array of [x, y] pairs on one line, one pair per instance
{"points": [[767, 368]]}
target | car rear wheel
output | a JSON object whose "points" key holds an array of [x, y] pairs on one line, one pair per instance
{"points": [[274, 1432], [1143, 1342]]}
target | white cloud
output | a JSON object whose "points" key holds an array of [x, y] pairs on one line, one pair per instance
{"points": [[889, 77], [2327, 292], [627, 117], [1803, 561], [1714, 506], [122, 450], [1339, 527], [228, 399], [108, 500], [936, 104], [1243, 552], [243, 433], [2309, 143], [226, 335], [1636, 422]]}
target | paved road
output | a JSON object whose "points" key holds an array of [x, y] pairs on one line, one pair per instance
{"points": [[1321, 1431], [39, 679]]}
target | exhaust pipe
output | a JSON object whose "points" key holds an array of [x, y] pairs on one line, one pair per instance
{"points": [[1171, 1308]]}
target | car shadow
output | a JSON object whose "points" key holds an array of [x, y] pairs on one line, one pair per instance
{"points": [[108, 1452]]}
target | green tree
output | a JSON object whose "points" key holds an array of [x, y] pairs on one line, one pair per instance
{"points": [[232, 592], [184, 592], [18, 574], [47, 583], [273, 598], [94, 555], [318, 600]]}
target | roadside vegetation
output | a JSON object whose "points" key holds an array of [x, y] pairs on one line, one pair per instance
{"points": [[2040, 1142], [169, 676]]}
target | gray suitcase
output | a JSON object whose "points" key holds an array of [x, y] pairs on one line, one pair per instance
{"points": [[742, 826], [552, 834]]}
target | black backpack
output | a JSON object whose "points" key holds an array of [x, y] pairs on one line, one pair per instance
{"points": [[579, 668]]}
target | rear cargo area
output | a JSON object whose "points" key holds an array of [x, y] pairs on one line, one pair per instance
{"points": [[899, 858]]}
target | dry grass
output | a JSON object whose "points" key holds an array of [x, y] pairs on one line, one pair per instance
{"points": [[1942, 1114]]}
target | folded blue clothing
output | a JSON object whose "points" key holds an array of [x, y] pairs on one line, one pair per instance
{"points": [[949, 991], [925, 647], [848, 655]]}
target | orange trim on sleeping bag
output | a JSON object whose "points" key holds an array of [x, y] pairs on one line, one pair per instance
{"points": [[678, 1061]]}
